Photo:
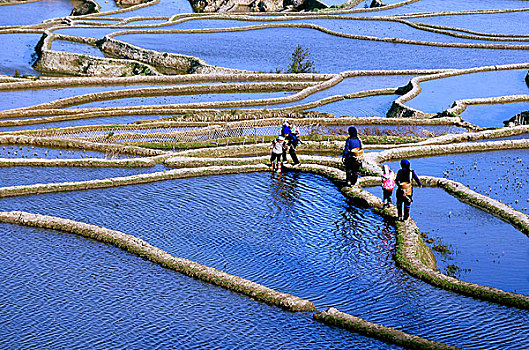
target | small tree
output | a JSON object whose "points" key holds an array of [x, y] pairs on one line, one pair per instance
{"points": [[300, 62]]}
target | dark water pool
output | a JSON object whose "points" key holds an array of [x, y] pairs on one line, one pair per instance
{"points": [[297, 234], [498, 174], [26, 175], [54, 283]]}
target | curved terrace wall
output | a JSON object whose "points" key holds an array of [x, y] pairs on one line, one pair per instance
{"points": [[412, 254], [220, 278], [400, 110]]}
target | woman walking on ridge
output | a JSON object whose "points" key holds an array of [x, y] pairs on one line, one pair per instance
{"points": [[288, 132], [352, 157], [404, 179]]}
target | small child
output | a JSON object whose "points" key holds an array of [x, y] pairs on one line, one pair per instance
{"points": [[278, 147], [388, 184]]}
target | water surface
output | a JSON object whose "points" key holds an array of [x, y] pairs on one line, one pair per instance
{"points": [[439, 94], [297, 234], [55, 282]]}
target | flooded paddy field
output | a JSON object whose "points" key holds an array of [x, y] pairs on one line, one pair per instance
{"points": [[468, 243], [439, 94], [184, 99], [361, 107], [452, 5], [492, 116], [21, 53], [129, 302], [294, 232], [69, 46], [34, 12], [29, 152], [84, 122], [25, 175], [491, 23], [330, 54], [327, 250], [497, 174]]}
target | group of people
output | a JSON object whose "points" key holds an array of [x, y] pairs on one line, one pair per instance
{"points": [[287, 141], [352, 157]]}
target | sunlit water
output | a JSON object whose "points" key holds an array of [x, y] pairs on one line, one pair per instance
{"points": [[471, 244], [439, 95], [29, 175], [330, 54], [488, 116]]}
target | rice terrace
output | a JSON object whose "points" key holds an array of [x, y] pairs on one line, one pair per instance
{"points": [[176, 174]]}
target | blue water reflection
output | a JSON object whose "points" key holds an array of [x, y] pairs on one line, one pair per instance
{"points": [[54, 282], [296, 234]]}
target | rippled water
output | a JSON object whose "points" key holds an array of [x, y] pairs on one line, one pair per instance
{"points": [[297, 234], [53, 283], [469, 243]]}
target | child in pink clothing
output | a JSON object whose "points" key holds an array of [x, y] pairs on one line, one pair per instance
{"points": [[388, 184]]}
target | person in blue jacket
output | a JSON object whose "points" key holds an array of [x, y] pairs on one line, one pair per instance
{"points": [[352, 156], [292, 142], [404, 194]]}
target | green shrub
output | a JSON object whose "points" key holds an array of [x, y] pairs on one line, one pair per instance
{"points": [[300, 61]]}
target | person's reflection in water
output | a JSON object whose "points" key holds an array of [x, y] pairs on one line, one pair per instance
{"points": [[385, 243], [284, 188]]}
